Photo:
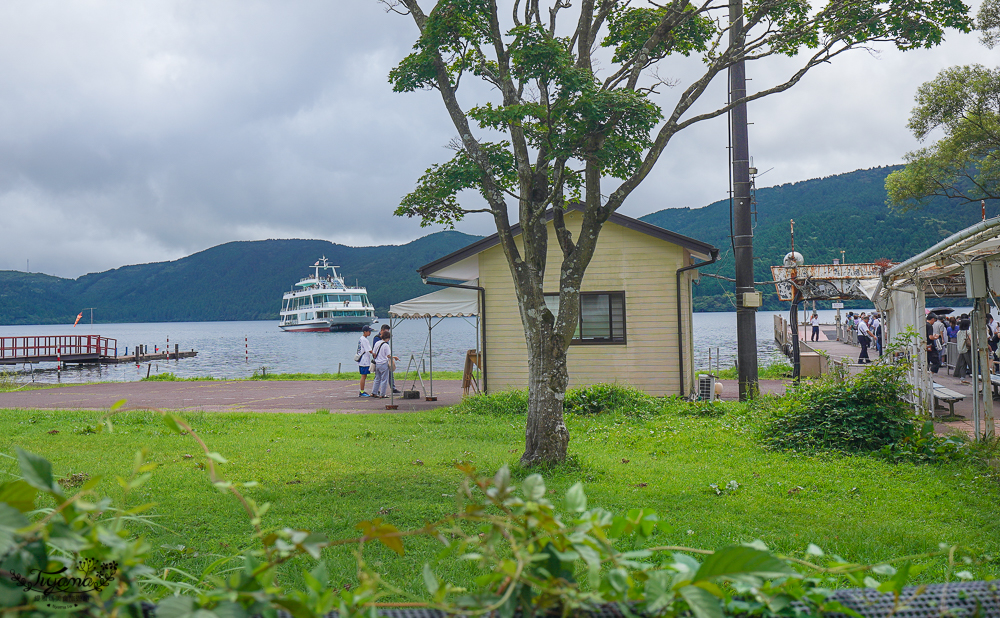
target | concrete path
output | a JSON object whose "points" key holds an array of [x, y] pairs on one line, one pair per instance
{"points": [[227, 396]]}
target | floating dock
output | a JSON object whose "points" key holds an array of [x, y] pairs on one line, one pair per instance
{"points": [[76, 349]]}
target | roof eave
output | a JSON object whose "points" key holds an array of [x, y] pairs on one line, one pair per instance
{"points": [[697, 248]]}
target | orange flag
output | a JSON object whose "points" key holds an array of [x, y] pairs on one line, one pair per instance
{"points": [[77, 319]]}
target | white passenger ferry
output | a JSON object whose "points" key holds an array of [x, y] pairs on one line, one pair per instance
{"points": [[321, 302]]}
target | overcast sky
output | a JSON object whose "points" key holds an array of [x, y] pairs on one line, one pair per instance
{"points": [[136, 132]]}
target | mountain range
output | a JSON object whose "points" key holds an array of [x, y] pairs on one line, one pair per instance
{"points": [[235, 281], [846, 212], [245, 280]]}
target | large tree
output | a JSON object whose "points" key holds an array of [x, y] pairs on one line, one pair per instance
{"points": [[964, 103], [579, 112]]}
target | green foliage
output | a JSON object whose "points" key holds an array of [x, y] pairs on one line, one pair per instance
{"points": [[920, 444], [771, 371], [435, 200], [839, 206], [988, 23], [612, 398], [532, 556], [964, 102], [594, 399], [862, 414], [502, 403], [630, 28], [705, 408], [9, 381], [326, 473]]}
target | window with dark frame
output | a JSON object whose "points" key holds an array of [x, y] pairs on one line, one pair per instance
{"points": [[602, 317]]}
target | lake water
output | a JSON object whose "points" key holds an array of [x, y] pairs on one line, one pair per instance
{"points": [[237, 349]]}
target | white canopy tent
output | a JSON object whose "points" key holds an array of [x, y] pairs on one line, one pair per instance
{"points": [[445, 303], [448, 302], [941, 272]]}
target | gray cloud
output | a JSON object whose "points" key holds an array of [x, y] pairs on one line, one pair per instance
{"points": [[135, 132]]}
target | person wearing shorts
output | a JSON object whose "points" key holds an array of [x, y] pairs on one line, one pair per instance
{"points": [[364, 354]]}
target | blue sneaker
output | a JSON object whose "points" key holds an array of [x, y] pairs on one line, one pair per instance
{"points": [[363, 394]]}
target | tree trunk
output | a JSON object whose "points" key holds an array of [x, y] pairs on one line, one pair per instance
{"points": [[546, 436]]}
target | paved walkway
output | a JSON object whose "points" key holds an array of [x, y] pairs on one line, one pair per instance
{"points": [[226, 396], [305, 396]]}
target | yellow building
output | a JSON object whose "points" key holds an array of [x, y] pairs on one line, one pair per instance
{"points": [[635, 306]]}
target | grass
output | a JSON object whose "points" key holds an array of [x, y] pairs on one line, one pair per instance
{"points": [[326, 472], [773, 371]]}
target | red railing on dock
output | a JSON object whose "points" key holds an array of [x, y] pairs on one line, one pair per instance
{"points": [[55, 347]]}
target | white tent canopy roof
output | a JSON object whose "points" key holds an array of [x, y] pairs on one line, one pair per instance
{"points": [[445, 303]]}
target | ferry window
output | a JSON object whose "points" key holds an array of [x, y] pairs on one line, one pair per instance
{"points": [[355, 298], [364, 298], [602, 317], [284, 304], [318, 300]]}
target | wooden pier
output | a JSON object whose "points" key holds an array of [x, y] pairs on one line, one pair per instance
{"points": [[75, 349]]}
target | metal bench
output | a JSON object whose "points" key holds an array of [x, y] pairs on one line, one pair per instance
{"points": [[949, 397]]}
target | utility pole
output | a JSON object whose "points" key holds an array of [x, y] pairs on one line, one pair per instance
{"points": [[746, 316]]}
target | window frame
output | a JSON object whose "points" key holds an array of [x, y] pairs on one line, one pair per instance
{"points": [[578, 340]]}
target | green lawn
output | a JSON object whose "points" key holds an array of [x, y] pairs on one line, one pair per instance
{"points": [[326, 472]]}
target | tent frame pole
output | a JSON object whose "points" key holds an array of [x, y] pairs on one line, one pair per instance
{"points": [[482, 318]]}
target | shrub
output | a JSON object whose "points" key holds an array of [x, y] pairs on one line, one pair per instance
{"points": [[862, 414], [599, 398], [920, 444], [9, 381], [494, 404]]}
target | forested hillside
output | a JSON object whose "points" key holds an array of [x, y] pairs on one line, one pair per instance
{"points": [[234, 281], [839, 213], [245, 280]]}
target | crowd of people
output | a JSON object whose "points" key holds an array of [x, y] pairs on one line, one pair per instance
{"points": [[940, 330], [869, 331], [375, 357]]}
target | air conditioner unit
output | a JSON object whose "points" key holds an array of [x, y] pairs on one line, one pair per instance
{"points": [[706, 387]]}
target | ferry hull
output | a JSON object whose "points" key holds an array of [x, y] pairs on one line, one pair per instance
{"points": [[305, 328], [322, 326]]}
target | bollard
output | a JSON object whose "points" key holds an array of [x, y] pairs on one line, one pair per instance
{"points": [[177, 351], [338, 368]]}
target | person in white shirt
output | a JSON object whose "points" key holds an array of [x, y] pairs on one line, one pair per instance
{"points": [[864, 339], [364, 356], [382, 357], [814, 322]]}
